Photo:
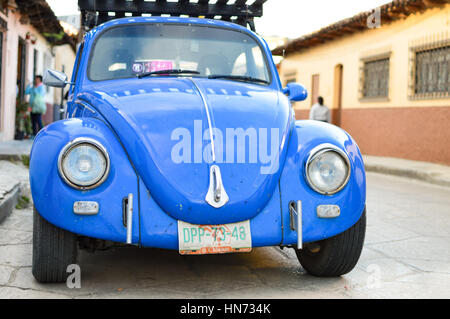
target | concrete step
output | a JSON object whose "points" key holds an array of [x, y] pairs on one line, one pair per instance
{"points": [[13, 183]]}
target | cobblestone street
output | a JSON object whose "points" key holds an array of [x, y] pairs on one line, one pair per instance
{"points": [[406, 255]]}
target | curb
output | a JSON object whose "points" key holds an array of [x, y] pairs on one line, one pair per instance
{"points": [[8, 202], [405, 172], [13, 157]]}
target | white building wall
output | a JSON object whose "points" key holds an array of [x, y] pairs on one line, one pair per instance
{"points": [[9, 73]]}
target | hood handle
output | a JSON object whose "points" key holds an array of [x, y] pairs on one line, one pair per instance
{"points": [[216, 196], [217, 188]]}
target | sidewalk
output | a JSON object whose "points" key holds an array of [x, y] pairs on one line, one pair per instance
{"points": [[13, 182], [13, 176], [428, 172], [13, 150]]}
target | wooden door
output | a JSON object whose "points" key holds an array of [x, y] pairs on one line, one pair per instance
{"points": [[337, 96], [21, 64], [314, 89]]}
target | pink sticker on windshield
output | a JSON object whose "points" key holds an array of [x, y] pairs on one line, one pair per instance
{"points": [[158, 65], [152, 66]]}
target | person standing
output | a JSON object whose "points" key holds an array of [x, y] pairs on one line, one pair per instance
{"points": [[37, 103], [320, 112]]}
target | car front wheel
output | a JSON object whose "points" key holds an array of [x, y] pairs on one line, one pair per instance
{"points": [[53, 250], [334, 256]]}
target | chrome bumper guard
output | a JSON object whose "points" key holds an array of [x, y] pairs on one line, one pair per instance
{"points": [[295, 212], [129, 219]]}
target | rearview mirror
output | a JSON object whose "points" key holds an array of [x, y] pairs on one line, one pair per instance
{"points": [[296, 92], [55, 78]]}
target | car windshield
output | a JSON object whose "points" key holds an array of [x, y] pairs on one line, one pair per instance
{"points": [[133, 50]]}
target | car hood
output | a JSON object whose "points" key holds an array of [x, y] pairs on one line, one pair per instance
{"points": [[164, 125]]}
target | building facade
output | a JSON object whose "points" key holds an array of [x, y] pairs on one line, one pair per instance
{"points": [[388, 84], [27, 48]]}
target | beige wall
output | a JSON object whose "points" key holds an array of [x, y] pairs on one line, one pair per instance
{"points": [[397, 126], [397, 37], [64, 57]]}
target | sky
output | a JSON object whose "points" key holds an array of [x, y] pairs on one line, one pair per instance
{"points": [[285, 18]]}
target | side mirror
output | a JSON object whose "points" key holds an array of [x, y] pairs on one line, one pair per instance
{"points": [[55, 78], [296, 92]]}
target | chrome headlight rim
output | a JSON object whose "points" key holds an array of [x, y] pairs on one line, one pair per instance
{"points": [[70, 146], [317, 151]]}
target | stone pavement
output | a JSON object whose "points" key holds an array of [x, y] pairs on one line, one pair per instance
{"points": [[406, 255]]}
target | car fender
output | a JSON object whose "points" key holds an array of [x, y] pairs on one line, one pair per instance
{"points": [[54, 198], [305, 136]]}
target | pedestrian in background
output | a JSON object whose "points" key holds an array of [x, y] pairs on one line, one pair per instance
{"points": [[36, 91], [320, 112]]}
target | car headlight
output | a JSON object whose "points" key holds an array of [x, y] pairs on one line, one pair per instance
{"points": [[327, 169], [83, 163]]}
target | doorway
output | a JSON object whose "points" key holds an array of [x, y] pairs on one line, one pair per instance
{"points": [[21, 67], [314, 88], [337, 97], [1, 77]]}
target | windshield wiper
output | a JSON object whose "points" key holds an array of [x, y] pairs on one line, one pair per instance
{"points": [[163, 72], [238, 78]]}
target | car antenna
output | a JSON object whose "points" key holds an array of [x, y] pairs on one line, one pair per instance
{"points": [[95, 12]]}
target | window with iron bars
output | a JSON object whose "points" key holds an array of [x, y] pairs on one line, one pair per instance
{"points": [[376, 79], [432, 72]]}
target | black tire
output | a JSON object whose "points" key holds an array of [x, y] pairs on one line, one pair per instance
{"points": [[53, 250], [334, 256]]}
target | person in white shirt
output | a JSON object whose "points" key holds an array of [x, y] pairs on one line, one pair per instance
{"points": [[320, 112]]}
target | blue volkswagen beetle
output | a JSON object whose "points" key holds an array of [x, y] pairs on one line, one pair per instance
{"points": [[179, 135]]}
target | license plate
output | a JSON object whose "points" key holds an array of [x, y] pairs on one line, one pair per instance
{"points": [[214, 239]]}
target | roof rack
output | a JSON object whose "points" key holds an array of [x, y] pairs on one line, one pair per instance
{"points": [[243, 12]]}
